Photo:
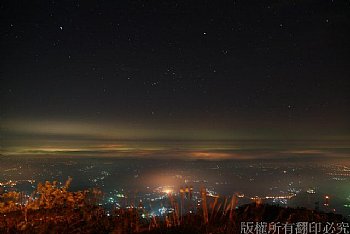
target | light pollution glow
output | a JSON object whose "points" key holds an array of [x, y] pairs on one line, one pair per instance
{"points": [[62, 138]]}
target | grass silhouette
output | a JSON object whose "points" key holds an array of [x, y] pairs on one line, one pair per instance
{"points": [[54, 209]]}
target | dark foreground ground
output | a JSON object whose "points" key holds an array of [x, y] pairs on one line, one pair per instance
{"points": [[95, 220], [54, 209]]}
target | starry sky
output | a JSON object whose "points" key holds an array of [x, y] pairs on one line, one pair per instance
{"points": [[174, 70]]}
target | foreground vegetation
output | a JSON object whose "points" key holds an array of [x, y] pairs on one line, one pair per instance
{"points": [[54, 209]]}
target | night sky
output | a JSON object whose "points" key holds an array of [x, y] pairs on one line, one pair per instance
{"points": [[174, 70]]}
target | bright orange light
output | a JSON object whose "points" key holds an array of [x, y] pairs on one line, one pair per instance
{"points": [[168, 191]]}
